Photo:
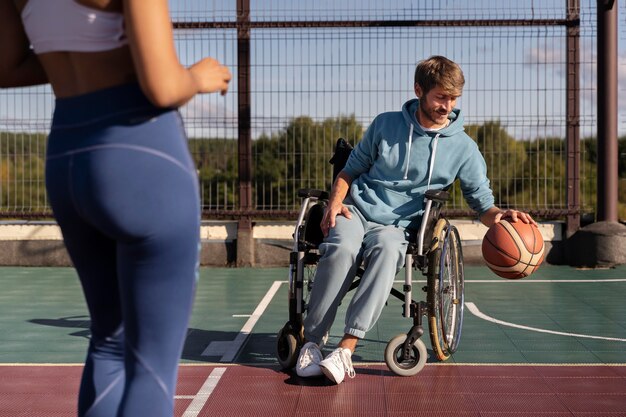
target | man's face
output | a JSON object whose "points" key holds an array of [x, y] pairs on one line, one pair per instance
{"points": [[435, 107]]}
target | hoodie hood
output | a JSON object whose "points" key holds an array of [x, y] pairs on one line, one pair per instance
{"points": [[396, 161], [409, 110]]}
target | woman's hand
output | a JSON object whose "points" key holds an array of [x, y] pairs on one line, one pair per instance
{"points": [[211, 76]]}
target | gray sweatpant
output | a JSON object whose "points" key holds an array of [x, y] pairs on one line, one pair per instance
{"points": [[351, 241]]}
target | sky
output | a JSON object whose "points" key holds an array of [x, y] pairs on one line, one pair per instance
{"points": [[515, 75]]}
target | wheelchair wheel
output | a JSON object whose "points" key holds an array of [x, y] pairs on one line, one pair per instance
{"points": [[303, 265], [290, 337], [287, 347], [452, 287], [396, 362], [445, 294]]}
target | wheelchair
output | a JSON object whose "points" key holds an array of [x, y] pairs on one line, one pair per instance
{"points": [[436, 253]]}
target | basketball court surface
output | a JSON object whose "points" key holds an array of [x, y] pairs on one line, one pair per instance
{"points": [[552, 344]]}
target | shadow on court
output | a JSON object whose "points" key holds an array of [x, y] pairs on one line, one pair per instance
{"points": [[196, 342], [550, 345]]}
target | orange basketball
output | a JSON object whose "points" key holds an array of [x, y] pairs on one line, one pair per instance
{"points": [[513, 250]]}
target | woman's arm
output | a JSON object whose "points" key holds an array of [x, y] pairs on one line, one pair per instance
{"points": [[19, 66], [164, 80]]}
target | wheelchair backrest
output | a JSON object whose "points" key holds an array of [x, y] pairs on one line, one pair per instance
{"points": [[309, 231], [340, 157]]}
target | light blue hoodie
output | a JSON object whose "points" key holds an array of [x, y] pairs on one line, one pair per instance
{"points": [[397, 161]]}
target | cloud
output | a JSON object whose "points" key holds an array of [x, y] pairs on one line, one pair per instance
{"points": [[544, 55], [554, 55], [202, 107], [205, 117]]}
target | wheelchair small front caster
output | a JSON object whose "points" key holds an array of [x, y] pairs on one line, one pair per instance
{"points": [[399, 365], [287, 347]]}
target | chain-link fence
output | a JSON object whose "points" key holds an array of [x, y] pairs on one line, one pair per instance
{"points": [[307, 73]]}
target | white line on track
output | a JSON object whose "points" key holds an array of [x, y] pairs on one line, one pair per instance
{"points": [[475, 311], [235, 345], [247, 328], [200, 399]]}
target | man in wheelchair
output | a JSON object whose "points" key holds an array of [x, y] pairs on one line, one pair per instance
{"points": [[375, 207]]}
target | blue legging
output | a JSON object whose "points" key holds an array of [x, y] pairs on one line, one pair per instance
{"points": [[124, 190]]}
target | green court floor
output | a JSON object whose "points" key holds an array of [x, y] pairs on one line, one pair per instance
{"points": [[558, 315]]}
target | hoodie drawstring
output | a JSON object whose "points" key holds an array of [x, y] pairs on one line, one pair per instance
{"points": [[432, 160], [408, 158]]}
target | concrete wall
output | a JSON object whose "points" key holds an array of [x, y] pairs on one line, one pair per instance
{"points": [[31, 243]]}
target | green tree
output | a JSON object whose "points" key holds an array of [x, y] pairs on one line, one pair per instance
{"points": [[269, 171], [621, 157], [505, 158], [542, 184], [22, 159], [298, 157], [216, 162], [524, 174]]}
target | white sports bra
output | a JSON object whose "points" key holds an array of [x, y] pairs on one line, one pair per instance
{"points": [[64, 25]]}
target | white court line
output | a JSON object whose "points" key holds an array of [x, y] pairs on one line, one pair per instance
{"points": [[204, 393], [236, 344], [247, 328], [475, 311]]}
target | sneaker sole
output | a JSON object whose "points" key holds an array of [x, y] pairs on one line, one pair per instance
{"points": [[330, 375]]}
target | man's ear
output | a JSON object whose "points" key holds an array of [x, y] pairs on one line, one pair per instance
{"points": [[418, 90]]}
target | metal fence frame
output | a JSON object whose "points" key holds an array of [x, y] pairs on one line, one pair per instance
{"points": [[244, 25]]}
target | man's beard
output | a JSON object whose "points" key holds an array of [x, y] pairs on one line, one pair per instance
{"points": [[428, 113]]}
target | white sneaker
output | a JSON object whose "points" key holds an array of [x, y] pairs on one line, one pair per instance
{"points": [[337, 364], [309, 361]]}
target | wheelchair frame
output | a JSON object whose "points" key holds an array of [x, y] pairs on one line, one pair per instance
{"points": [[437, 253]]}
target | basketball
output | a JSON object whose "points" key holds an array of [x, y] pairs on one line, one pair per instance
{"points": [[513, 250]]}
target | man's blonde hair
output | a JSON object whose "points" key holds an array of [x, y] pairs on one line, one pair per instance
{"points": [[440, 71]]}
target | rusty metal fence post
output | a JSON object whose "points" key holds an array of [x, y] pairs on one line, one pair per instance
{"points": [[607, 111], [245, 241], [572, 132]]}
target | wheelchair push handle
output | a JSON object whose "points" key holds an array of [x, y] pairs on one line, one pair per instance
{"points": [[312, 192]]}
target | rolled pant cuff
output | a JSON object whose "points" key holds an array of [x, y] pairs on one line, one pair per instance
{"points": [[355, 332]]}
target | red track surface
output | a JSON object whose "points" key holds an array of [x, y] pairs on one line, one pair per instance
{"points": [[439, 390]]}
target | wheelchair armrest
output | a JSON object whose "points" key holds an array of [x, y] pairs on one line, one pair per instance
{"points": [[311, 192], [439, 196]]}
